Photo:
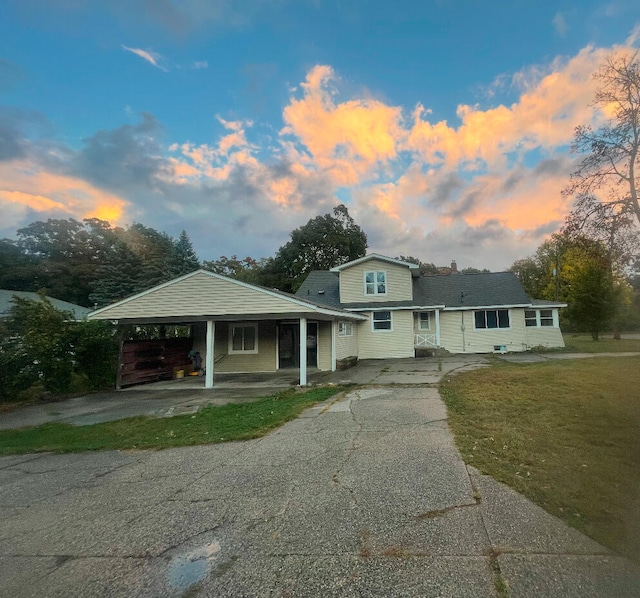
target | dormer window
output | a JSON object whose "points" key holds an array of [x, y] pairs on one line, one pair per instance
{"points": [[375, 282]]}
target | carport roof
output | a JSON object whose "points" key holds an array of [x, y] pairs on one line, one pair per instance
{"points": [[203, 295]]}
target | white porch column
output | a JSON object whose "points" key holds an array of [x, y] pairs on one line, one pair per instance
{"points": [[303, 351], [211, 338], [333, 345], [438, 328]]}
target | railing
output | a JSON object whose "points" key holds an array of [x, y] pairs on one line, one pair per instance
{"points": [[425, 340]]}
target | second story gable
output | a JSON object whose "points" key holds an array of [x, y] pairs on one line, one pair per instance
{"points": [[376, 279]]}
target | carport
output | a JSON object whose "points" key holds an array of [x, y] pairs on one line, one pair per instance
{"points": [[237, 327]]}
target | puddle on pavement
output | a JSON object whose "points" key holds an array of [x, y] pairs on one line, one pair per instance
{"points": [[186, 570]]}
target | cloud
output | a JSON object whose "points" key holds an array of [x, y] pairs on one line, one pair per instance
{"points": [[346, 139], [483, 188], [559, 24], [151, 57], [200, 64], [123, 158]]}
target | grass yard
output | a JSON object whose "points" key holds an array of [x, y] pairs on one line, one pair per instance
{"points": [[566, 434], [583, 343], [210, 425]]}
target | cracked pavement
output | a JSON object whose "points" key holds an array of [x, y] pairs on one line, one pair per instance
{"points": [[365, 495]]}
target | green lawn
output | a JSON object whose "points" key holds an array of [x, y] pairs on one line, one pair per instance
{"points": [[566, 434], [583, 343], [210, 425]]}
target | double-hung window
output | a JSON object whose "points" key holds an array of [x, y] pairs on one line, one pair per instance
{"points": [[538, 317], [423, 323], [243, 338], [375, 282], [491, 318], [345, 329], [381, 320]]}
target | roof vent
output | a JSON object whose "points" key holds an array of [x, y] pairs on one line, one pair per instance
{"points": [[321, 292]]}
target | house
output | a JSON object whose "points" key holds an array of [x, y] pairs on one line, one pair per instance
{"points": [[372, 307], [7, 296], [460, 313]]}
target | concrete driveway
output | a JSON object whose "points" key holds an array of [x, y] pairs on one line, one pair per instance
{"points": [[187, 395], [365, 495]]}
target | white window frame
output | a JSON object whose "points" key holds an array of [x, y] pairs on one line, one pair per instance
{"points": [[538, 318], [234, 325], [345, 328], [375, 282], [421, 321], [497, 309], [390, 320]]}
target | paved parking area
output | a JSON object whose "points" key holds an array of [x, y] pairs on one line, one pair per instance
{"points": [[365, 495]]}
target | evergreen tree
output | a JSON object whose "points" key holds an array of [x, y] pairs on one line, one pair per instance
{"points": [[183, 258]]}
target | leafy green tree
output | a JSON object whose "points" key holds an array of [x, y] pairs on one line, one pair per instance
{"points": [[426, 269], [322, 243], [95, 352], [246, 269], [590, 287], [472, 270], [43, 340], [64, 255]]}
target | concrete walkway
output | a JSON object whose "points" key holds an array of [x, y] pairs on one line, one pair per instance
{"points": [[363, 496]]}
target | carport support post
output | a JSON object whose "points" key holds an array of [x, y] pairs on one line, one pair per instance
{"points": [[333, 345], [211, 334], [303, 351]]}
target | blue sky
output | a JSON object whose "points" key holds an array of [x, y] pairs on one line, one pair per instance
{"points": [[444, 126]]}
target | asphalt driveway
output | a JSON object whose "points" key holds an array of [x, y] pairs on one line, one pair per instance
{"points": [[365, 495]]}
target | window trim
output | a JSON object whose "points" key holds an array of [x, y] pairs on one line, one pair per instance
{"points": [[420, 321], [390, 320], [375, 276], [497, 309], [538, 318], [234, 325], [348, 328]]}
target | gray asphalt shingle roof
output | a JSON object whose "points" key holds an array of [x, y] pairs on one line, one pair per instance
{"points": [[6, 303], [455, 290]]}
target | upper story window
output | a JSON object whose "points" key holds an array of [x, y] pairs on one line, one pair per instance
{"points": [[491, 318], [375, 282], [538, 317]]}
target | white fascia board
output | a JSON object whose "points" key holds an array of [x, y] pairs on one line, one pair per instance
{"points": [[374, 256], [409, 307], [476, 307], [279, 295]]}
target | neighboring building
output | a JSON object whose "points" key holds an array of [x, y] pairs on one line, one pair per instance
{"points": [[6, 302], [373, 307]]}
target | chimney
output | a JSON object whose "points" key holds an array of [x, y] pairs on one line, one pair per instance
{"points": [[454, 267]]}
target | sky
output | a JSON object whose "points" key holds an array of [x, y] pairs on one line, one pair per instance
{"points": [[444, 126]]}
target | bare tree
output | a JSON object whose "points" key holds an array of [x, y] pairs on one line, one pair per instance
{"points": [[612, 152]]}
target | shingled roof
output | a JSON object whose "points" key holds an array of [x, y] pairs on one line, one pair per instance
{"points": [[451, 291]]}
